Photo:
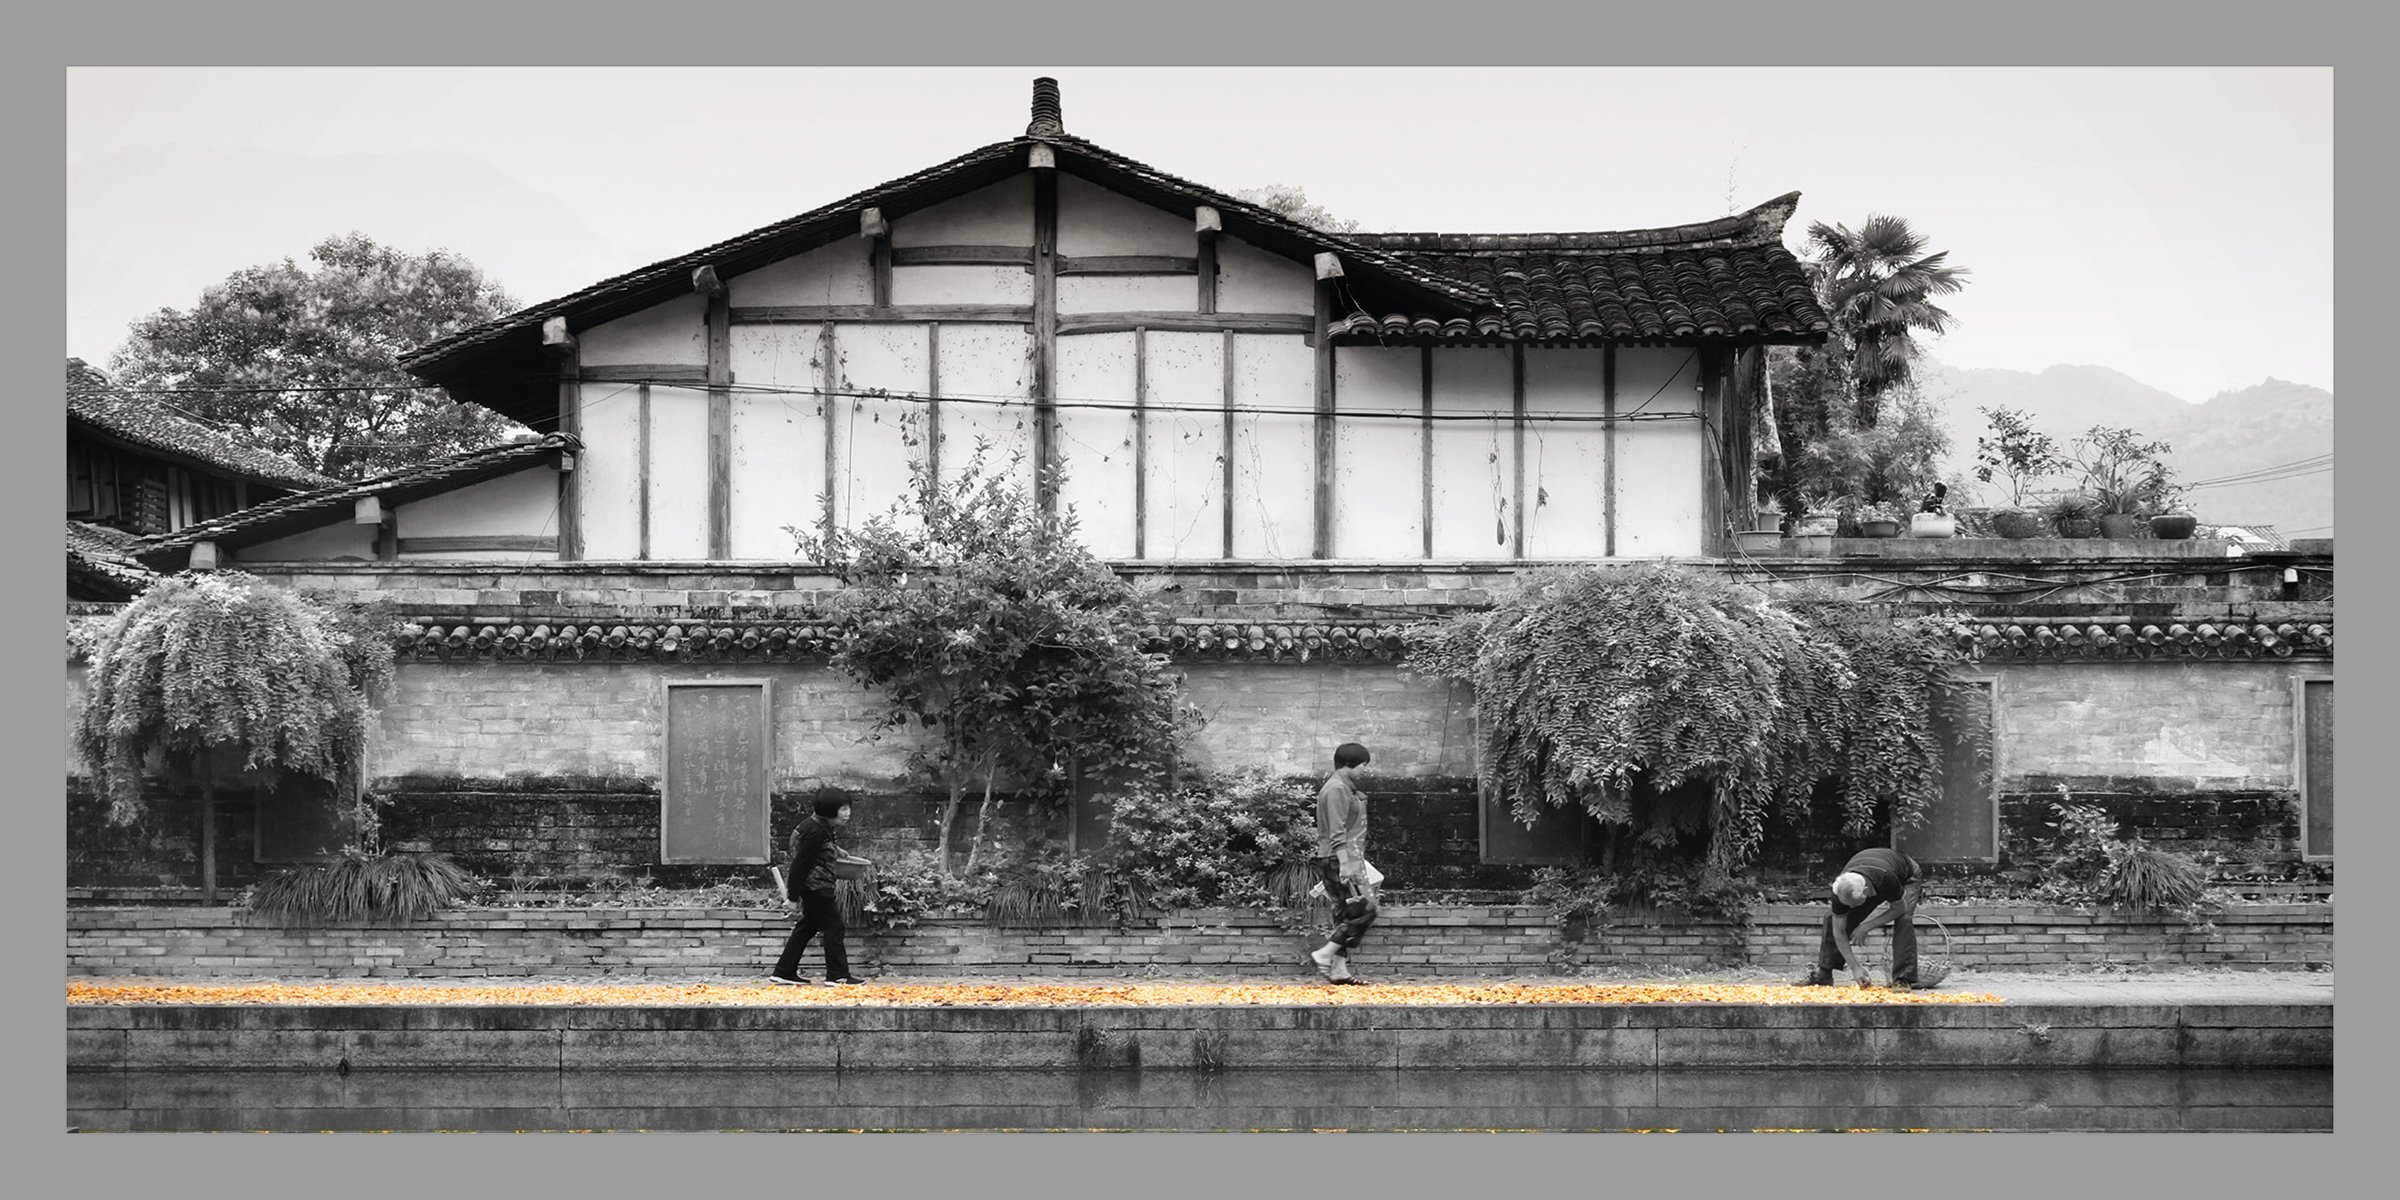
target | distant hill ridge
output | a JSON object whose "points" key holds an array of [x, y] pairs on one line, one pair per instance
{"points": [[2251, 429]]}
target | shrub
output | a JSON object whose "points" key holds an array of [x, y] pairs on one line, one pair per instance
{"points": [[2093, 865], [1591, 894], [1234, 839], [363, 887], [2141, 875]]}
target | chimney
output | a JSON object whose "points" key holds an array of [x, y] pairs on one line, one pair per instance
{"points": [[1046, 119]]}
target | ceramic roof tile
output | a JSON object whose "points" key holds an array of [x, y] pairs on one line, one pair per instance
{"points": [[147, 422]]}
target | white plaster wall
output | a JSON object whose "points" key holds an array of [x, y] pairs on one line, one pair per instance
{"points": [[1474, 462], [673, 331], [678, 473], [871, 454], [983, 365], [778, 467], [1378, 466], [1250, 280], [524, 502], [1096, 445], [1094, 220], [1184, 495], [999, 215], [962, 285], [1274, 457], [339, 539], [840, 273], [1658, 462], [2217, 724], [607, 475], [1565, 467], [1128, 293]]}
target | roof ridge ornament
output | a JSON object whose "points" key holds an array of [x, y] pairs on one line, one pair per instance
{"points": [[1048, 120]]}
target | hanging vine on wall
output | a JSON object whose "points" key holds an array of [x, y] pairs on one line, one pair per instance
{"points": [[1618, 690]]}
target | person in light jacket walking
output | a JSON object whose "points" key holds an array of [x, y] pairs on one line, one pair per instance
{"points": [[811, 882], [1341, 861]]}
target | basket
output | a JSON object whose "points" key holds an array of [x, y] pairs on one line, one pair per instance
{"points": [[1933, 963], [853, 870]]}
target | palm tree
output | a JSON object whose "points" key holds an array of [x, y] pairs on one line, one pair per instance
{"points": [[1878, 284]]}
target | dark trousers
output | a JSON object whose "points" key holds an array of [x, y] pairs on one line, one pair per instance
{"points": [[1353, 910], [1904, 941], [819, 913]]}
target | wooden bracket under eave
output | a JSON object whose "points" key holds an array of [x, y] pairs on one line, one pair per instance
{"points": [[1205, 220], [366, 510], [871, 223], [1041, 158], [204, 556], [705, 281], [555, 337], [1329, 266]]}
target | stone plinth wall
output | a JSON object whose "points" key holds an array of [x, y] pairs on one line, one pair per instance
{"points": [[1410, 940]]}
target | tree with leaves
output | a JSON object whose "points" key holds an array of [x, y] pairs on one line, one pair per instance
{"points": [[305, 359], [983, 621], [1290, 201], [2015, 452], [1878, 283]]}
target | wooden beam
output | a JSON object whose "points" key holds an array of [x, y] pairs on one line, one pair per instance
{"points": [[387, 538], [1608, 451], [481, 541], [664, 374], [1425, 449], [962, 256], [1168, 322], [1141, 443], [1045, 331], [879, 265], [1322, 546], [555, 336], [641, 485], [1204, 265], [1226, 458], [933, 400], [1712, 456], [705, 281], [570, 420], [1516, 388], [1127, 264], [720, 429], [829, 375], [811, 314]]}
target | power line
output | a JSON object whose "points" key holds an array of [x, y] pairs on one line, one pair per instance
{"points": [[2325, 459]]}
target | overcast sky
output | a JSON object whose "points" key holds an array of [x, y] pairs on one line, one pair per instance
{"points": [[2175, 224]]}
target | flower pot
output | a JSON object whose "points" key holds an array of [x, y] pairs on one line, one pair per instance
{"points": [[2123, 525], [2016, 523], [1813, 543], [1816, 524], [1932, 525], [2173, 526], [1760, 541], [1879, 529], [2078, 527]]}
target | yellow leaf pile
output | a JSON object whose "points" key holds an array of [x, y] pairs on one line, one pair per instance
{"points": [[992, 995]]}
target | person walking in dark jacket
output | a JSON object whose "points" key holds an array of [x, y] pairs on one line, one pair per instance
{"points": [[1883, 882], [811, 882]]}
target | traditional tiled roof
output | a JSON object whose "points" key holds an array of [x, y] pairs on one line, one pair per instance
{"points": [[2255, 536], [146, 422], [1285, 641], [291, 514], [1727, 278], [99, 560]]}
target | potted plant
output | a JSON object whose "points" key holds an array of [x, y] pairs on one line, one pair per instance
{"points": [[2170, 515], [1820, 515], [2074, 516], [1876, 519], [2119, 470], [2016, 523], [1932, 518]]}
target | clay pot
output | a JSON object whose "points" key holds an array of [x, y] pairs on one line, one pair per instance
{"points": [[2173, 526], [1879, 529], [2123, 525], [2016, 523]]}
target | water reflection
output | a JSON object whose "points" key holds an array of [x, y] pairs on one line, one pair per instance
{"points": [[2263, 1100]]}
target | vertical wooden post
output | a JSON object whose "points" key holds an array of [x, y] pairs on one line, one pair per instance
{"points": [[1329, 269], [1712, 453], [1516, 391], [720, 427], [1608, 450], [387, 537], [1425, 453], [829, 375], [1045, 331], [570, 420], [1205, 224], [933, 401], [1141, 442], [1225, 459], [642, 472]]}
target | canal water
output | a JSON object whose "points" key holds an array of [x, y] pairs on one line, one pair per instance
{"points": [[1998, 1100]]}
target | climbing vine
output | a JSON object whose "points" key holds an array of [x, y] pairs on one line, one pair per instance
{"points": [[1666, 701]]}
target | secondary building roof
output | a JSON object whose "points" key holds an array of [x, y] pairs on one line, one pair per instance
{"points": [[147, 423], [100, 564]]}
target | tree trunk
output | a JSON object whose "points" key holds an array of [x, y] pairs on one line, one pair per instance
{"points": [[208, 843], [941, 849], [983, 816]]}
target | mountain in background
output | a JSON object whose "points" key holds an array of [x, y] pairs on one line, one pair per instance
{"points": [[2252, 429]]}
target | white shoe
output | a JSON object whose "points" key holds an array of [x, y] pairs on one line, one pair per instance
{"points": [[1324, 957]]}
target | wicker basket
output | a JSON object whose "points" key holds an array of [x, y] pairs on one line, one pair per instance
{"points": [[1933, 962]]}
